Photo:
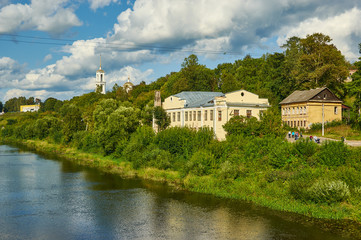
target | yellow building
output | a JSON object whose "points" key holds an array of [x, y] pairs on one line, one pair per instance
{"points": [[212, 109], [301, 109], [29, 108]]}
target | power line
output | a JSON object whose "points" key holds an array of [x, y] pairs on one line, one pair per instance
{"points": [[117, 46]]}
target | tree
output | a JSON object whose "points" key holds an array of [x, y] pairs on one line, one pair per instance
{"points": [[161, 118], [354, 87], [1, 106], [198, 77], [51, 104], [315, 62], [72, 121]]}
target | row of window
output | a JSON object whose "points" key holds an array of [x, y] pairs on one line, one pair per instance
{"points": [[294, 110], [301, 123], [196, 115], [300, 110]]}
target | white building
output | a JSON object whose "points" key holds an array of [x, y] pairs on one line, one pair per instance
{"points": [[212, 109], [100, 79]]}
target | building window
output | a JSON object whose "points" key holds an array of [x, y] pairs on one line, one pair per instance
{"points": [[304, 123], [335, 110], [194, 116], [293, 110], [199, 115], [211, 115], [186, 116], [219, 115], [190, 116], [249, 113], [305, 111], [205, 115], [236, 113], [178, 116], [297, 110], [174, 117]]}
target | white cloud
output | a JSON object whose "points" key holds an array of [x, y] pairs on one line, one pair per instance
{"points": [[52, 16], [344, 29], [232, 25], [95, 4], [48, 57], [11, 72]]}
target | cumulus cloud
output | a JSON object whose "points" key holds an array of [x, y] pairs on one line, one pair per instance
{"points": [[231, 25], [52, 16], [95, 4], [343, 28], [11, 72]]}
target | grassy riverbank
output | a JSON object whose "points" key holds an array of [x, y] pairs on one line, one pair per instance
{"points": [[253, 187]]}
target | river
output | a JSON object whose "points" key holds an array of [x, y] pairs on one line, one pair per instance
{"points": [[43, 198]]}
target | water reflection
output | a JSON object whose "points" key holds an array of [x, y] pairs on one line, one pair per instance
{"points": [[44, 199]]}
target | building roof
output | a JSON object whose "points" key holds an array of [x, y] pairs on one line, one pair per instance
{"points": [[197, 99], [310, 95]]}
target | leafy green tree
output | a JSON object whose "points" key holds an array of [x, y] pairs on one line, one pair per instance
{"points": [[161, 118], [72, 121], [198, 77], [354, 87], [51, 104], [316, 63], [1, 106], [229, 83]]}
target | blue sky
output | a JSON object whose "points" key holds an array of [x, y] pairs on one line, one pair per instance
{"points": [[51, 48]]}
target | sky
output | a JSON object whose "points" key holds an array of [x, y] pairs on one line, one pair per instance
{"points": [[52, 48]]}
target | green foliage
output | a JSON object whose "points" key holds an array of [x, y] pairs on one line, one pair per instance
{"points": [[305, 148], [325, 191], [270, 124], [315, 62], [176, 140], [161, 118], [333, 153], [72, 121], [51, 104], [201, 163]]}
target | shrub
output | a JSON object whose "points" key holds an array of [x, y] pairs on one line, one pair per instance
{"points": [[305, 148], [176, 140], [157, 158], [228, 170], [324, 191], [333, 153], [201, 163]]}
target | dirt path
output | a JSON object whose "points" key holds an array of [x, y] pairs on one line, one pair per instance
{"points": [[353, 143]]}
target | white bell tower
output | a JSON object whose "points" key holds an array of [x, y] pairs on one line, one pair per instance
{"points": [[100, 79]]}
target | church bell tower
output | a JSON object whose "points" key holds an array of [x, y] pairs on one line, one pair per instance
{"points": [[100, 79]]}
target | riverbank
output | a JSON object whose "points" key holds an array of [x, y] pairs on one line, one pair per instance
{"points": [[273, 196]]}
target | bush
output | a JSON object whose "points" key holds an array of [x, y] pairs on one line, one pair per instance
{"points": [[228, 170], [324, 191], [333, 153], [305, 148], [157, 158], [176, 140], [201, 163]]}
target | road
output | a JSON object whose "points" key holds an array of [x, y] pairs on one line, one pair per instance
{"points": [[353, 143]]}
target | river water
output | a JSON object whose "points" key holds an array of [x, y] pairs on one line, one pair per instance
{"points": [[55, 199]]}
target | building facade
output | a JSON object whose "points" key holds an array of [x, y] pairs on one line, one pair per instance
{"points": [[301, 109], [212, 109], [29, 108]]}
